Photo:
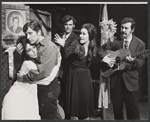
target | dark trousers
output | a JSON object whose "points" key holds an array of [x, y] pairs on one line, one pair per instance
{"points": [[120, 94], [63, 92], [47, 97]]}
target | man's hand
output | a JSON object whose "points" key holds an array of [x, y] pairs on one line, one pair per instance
{"points": [[59, 40], [130, 59], [109, 61], [19, 48], [19, 77]]}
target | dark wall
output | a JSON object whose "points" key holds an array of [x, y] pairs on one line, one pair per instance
{"points": [[90, 13], [84, 14], [81, 12], [139, 12]]}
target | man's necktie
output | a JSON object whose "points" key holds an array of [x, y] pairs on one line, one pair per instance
{"points": [[126, 44]]}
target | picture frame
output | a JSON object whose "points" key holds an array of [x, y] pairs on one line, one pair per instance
{"points": [[12, 13]]}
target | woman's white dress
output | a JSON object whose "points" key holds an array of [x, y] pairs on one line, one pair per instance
{"points": [[21, 102]]}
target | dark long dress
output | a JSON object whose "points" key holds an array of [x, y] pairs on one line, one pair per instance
{"points": [[79, 95]]}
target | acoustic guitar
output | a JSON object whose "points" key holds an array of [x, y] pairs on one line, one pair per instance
{"points": [[121, 55]]}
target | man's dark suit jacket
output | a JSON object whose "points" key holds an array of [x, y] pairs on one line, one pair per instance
{"points": [[69, 47], [130, 74], [18, 29]]}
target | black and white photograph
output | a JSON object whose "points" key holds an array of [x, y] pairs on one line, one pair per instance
{"points": [[74, 61]]}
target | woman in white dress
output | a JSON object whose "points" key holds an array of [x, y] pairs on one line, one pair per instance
{"points": [[21, 102]]}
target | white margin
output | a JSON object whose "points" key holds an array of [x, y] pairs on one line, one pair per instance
{"points": [[75, 2]]}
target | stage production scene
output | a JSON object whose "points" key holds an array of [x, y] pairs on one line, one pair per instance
{"points": [[74, 61]]}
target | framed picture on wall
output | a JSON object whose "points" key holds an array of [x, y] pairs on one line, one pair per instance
{"points": [[14, 17]]}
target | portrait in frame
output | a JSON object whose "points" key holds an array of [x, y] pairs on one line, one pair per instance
{"points": [[14, 17]]}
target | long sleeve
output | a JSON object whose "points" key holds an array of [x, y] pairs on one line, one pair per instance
{"points": [[71, 48], [53, 73], [136, 46], [48, 56], [140, 60]]}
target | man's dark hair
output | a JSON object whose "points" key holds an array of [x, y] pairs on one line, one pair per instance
{"points": [[16, 18], [34, 25], [130, 20], [68, 18]]}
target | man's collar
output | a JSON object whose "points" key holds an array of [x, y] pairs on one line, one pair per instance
{"points": [[43, 41], [128, 39], [67, 35]]}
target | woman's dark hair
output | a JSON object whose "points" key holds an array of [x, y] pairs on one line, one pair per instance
{"points": [[92, 45], [23, 41], [18, 59]]}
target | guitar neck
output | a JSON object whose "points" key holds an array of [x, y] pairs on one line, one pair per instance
{"points": [[139, 53]]}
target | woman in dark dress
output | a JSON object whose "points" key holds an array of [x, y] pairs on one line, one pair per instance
{"points": [[79, 95]]}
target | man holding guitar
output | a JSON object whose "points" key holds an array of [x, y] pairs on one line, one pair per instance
{"points": [[125, 82]]}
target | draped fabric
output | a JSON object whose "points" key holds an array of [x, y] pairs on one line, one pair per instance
{"points": [[21, 102], [104, 91], [79, 93], [6, 82]]}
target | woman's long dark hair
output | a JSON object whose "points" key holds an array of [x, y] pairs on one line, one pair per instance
{"points": [[18, 59], [92, 45]]}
